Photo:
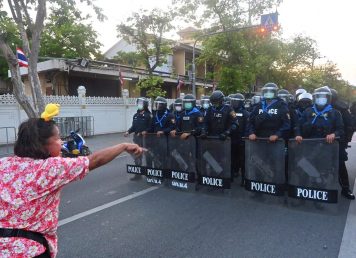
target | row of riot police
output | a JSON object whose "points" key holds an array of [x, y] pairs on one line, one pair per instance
{"points": [[275, 114]]}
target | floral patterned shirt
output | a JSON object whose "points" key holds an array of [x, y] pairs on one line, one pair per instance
{"points": [[29, 199]]}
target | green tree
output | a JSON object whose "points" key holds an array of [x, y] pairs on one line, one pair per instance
{"points": [[133, 59], [68, 34], [153, 86], [145, 30], [29, 17]]}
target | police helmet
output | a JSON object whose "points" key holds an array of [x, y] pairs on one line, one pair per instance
{"points": [[269, 90], [322, 96], [217, 98], [205, 102], [305, 95], [178, 105], [283, 94], [189, 102], [298, 92], [227, 100], [160, 103], [247, 103], [334, 95], [237, 100], [255, 99], [142, 103]]}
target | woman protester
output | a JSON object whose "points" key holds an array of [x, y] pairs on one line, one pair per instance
{"points": [[31, 182]]}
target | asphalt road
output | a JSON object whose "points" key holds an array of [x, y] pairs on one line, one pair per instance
{"points": [[162, 222]]}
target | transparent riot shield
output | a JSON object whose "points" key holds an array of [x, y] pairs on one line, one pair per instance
{"points": [[265, 168], [136, 166], [155, 158], [214, 162], [313, 174], [182, 162]]}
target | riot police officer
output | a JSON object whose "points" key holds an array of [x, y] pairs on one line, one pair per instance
{"points": [[220, 119], [227, 100], [163, 121], [323, 121], [205, 104], [254, 102], [141, 124], [237, 144], [304, 101], [269, 118], [285, 96], [177, 109], [191, 121], [343, 108]]}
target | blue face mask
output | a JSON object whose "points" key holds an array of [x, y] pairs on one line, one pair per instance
{"points": [[140, 106], [188, 106], [206, 105], [268, 95], [321, 101]]}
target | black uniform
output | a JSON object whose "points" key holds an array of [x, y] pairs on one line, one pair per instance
{"points": [[269, 119], [220, 121], [141, 122], [162, 120], [190, 122], [237, 144]]}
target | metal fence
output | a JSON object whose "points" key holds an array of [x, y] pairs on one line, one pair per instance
{"points": [[85, 124], [7, 137]]}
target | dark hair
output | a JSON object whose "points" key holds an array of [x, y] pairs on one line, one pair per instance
{"points": [[32, 137]]}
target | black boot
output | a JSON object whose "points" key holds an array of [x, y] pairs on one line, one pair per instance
{"points": [[346, 192]]}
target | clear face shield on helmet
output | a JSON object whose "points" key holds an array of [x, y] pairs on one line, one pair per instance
{"points": [[321, 99], [237, 103], [140, 103], [159, 105], [188, 105], [205, 103], [178, 107], [284, 97], [269, 93], [255, 99]]}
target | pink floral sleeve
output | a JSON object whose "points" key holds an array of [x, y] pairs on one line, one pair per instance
{"points": [[57, 172]]}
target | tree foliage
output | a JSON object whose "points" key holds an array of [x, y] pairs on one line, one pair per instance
{"points": [[145, 29], [153, 86], [29, 17], [68, 34]]}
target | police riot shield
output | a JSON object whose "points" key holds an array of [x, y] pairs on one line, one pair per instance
{"points": [[155, 157], [313, 173], [136, 165], [181, 170], [153, 162], [265, 168], [214, 162]]}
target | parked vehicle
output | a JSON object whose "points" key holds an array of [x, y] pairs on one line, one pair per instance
{"points": [[75, 145]]}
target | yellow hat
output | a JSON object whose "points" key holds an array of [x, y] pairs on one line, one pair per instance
{"points": [[51, 110]]}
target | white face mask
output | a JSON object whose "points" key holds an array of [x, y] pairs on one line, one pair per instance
{"points": [[321, 101], [268, 95], [140, 106], [206, 105], [178, 108]]}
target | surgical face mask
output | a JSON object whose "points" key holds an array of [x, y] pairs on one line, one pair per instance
{"points": [[188, 106], [178, 108], [206, 105], [140, 106], [321, 101], [268, 95]]}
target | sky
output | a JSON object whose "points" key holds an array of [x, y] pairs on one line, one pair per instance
{"points": [[329, 22]]}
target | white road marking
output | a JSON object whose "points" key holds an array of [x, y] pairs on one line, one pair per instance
{"points": [[347, 247], [105, 206]]}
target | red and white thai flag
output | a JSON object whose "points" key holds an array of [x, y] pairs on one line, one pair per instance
{"points": [[21, 58], [120, 78], [180, 84]]}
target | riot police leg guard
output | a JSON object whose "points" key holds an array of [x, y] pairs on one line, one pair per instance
{"points": [[234, 161], [241, 162]]}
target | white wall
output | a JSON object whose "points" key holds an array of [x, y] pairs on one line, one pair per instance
{"points": [[111, 115]]}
